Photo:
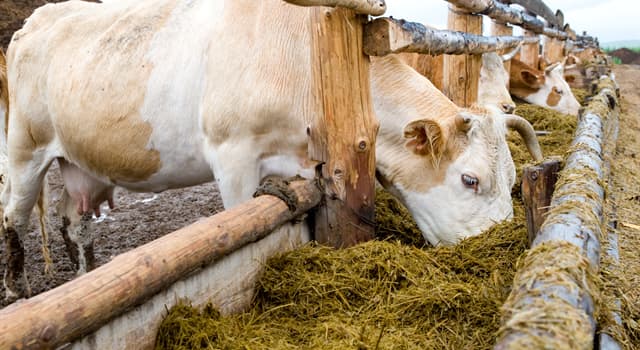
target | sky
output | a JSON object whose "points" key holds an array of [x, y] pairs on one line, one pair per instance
{"points": [[608, 20]]}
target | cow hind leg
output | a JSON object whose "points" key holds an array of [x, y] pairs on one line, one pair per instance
{"points": [[77, 234], [25, 183], [81, 198]]}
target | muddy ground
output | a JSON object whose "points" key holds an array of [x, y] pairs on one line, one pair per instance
{"points": [[138, 218]]}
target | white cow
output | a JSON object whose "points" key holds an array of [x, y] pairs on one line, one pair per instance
{"points": [[158, 94]]}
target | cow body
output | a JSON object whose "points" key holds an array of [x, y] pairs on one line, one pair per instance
{"points": [[153, 95]]}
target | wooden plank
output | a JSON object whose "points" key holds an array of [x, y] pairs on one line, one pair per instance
{"points": [[462, 73], [530, 53], [538, 182], [502, 29], [553, 50], [343, 136], [84, 304], [137, 328], [383, 36], [365, 7]]}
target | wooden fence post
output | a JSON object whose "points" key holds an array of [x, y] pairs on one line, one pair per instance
{"points": [[462, 72], [530, 52], [538, 183], [501, 29], [553, 50], [343, 136]]}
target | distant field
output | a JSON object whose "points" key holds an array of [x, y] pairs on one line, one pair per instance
{"points": [[630, 44]]}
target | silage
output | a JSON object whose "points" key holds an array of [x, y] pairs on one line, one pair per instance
{"points": [[391, 293]]}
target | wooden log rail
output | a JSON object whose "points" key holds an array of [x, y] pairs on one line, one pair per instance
{"points": [[365, 7], [383, 36], [505, 14], [551, 304], [67, 312], [539, 8]]}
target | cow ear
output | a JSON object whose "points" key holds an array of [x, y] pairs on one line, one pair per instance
{"points": [[531, 79], [570, 78], [425, 138]]}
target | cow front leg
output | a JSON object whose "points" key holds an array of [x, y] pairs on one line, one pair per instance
{"points": [[19, 197], [15, 279]]}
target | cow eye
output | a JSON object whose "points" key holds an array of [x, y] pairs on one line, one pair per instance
{"points": [[470, 181], [557, 91]]}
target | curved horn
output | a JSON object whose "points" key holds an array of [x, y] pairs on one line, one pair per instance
{"points": [[508, 56], [551, 67], [524, 128]]}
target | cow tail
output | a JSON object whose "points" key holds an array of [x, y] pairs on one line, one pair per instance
{"points": [[42, 218]]}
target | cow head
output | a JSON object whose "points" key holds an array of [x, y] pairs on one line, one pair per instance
{"points": [[493, 92], [545, 88], [450, 167]]}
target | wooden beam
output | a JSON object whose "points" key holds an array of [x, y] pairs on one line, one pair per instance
{"points": [[502, 29], [343, 136], [365, 7], [551, 302], [65, 313], [538, 182], [538, 8], [383, 36], [530, 53], [553, 50], [506, 14], [462, 73]]}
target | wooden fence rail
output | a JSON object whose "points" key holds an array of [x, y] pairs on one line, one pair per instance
{"points": [[388, 35], [552, 301]]}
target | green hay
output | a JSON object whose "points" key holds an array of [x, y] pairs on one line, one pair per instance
{"points": [[581, 95], [393, 293]]}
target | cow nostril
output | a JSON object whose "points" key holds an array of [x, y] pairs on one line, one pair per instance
{"points": [[508, 107]]}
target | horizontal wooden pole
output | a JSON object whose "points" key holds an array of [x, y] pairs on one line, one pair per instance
{"points": [[539, 8], [574, 224], [82, 305], [383, 36], [505, 14], [364, 7]]}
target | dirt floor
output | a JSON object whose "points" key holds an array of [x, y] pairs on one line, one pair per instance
{"points": [[138, 218], [626, 194]]}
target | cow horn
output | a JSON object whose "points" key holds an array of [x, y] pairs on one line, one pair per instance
{"points": [[508, 56], [524, 128], [551, 67]]}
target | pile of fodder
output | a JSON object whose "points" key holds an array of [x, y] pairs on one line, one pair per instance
{"points": [[379, 294], [395, 292], [581, 95]]}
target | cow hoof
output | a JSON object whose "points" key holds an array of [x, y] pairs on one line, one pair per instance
{"points": [[11, 296]]}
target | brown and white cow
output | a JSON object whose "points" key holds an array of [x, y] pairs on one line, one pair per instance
{"points": [[546, 87], [158, 94]]}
